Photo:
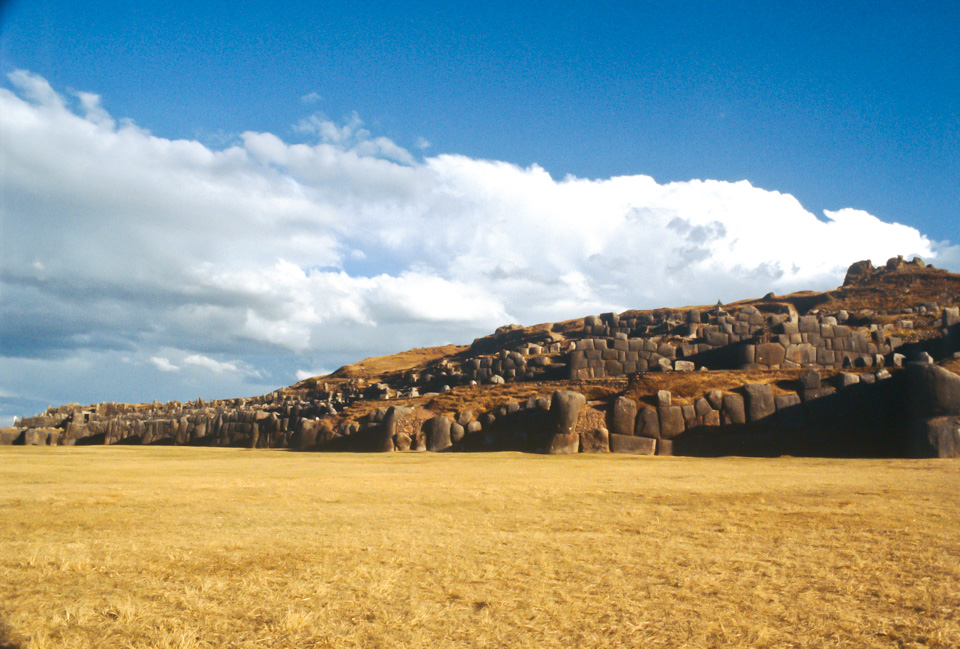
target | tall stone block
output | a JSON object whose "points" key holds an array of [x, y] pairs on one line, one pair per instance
{"points": [[623, 416], [648, 423], [565, 406], [734, 412], [437, 433], [671, 421], [759, 401]]}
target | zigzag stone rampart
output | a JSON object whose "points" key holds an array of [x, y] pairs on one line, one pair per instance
{"points": [[839, 388]]}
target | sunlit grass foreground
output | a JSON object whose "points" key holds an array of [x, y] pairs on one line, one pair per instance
{"points": [[187, 547]]}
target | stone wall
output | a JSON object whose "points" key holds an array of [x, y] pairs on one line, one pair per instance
{"points": [[864, 413], [746, 339]]}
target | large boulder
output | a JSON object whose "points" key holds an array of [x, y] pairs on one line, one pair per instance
{"points": [[733, 409], [437, 433], [565, 406], [623, 416], [933, 390], [9, 435], [648, 423], [307, 430], [671, 421], [950, 316], [770, 354], [632, 444], [935, 437], [457, 432], [759, 401]]}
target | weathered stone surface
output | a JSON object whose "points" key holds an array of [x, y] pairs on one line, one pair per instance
{"points": [[933, 390], [810, 380], [770, 354], [935, 437], [623, 416], [785, 401], [664, 447], [808, 324], [701, 407], [632, 444], [596, 440], [35, 437], [759, 401], [437, 433], [715, 397], [457, 432], [565, 406], [733, 411], [802, 354], [664, 398], [684, 366], [564, 444], [847, 379], [308, 433], [826, 357], [671, 421], [950, 316], [648, 423], [9, 435]]}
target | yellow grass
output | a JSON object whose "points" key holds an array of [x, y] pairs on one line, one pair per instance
{"points": [[185, 547]]}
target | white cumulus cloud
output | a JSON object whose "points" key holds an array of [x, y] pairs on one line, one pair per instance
{"points": [[281, 255], [210, 364], [164, 364]]}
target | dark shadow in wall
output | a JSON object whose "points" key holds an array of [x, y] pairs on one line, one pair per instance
{"points": [[859, 421]]}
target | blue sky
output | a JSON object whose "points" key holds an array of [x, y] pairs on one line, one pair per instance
{"points": [[209, 176]]}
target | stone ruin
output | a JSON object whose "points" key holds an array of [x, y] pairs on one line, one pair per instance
{"points": [[815, 381]]}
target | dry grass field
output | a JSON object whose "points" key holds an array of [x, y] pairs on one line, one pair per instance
{"points": [[186, 547]]}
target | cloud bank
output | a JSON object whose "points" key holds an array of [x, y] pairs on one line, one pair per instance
{"points": [[191, 268]]}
